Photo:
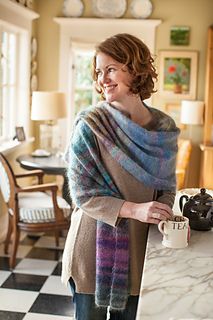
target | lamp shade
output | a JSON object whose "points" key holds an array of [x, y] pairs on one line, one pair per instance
{"points": [[192, 112], [48, 105]]}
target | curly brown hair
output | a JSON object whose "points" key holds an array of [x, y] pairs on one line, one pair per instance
{"points": [[133, 53]]}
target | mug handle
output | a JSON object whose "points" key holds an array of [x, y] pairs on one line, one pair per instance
{"points": [[161, 227]]}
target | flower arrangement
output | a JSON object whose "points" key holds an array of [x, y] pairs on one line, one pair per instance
{"points": [[177, 72], [177, 75]]}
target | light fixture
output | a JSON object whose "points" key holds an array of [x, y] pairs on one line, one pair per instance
{"points": [[49, 106], [191, 113]]}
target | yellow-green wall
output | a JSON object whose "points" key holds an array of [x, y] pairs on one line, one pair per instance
{"points": [[197, 14]]}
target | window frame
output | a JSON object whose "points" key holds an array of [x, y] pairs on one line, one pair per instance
{"points": [[81, 50], [15, 17], [9, 114]]}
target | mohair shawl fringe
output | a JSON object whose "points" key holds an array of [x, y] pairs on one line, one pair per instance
{"points": [[148, 155]]}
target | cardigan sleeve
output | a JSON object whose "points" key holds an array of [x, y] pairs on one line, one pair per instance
{"points": [[167, 197], [105, 209]]}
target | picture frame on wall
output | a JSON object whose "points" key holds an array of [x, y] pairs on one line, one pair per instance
{"points": [[20, 134], [178, 74], [179, 36]]}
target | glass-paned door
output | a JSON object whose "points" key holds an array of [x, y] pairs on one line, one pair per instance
{"points": [[84, 91]]}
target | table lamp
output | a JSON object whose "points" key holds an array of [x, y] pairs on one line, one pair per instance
{"points": [[49, 107], [192, 113]]}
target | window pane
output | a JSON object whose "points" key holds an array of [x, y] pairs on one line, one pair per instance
{"points": [[83, 99], [12, 58], [83, 61], [7, 82], [84, 90]]}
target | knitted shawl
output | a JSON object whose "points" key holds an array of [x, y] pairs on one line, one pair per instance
{"points": [[147, 155]]}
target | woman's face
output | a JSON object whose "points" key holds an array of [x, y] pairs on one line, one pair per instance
{"points": [[113, 78]]}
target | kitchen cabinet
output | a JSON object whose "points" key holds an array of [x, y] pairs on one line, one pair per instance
{"points": [[206, 175]]}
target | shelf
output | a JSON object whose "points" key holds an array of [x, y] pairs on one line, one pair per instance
{"points": [[19, 9], [93, 30], [87, 22]]}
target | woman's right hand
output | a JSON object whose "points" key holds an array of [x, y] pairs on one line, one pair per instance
{"points": [[149, 212]]}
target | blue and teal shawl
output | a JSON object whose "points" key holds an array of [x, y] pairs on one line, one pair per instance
{"points": [[149, 156]]}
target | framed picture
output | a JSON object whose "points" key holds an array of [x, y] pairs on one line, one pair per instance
{"points": [[173, 110], [20, 135], [178, 74], [179, 36]]}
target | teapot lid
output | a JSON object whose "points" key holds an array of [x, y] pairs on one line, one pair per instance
{"points": [[202, 196]]}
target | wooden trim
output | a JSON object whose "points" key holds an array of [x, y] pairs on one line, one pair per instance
{"points": [[208, 122], [204, 147]]}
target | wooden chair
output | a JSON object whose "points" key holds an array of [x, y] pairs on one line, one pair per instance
{"points": [[31, 209], [183, 156]]}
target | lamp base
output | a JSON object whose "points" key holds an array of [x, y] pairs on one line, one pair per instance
{"points": [[50, 139]]}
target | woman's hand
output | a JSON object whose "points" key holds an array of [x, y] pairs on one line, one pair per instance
{"points": [[149, 212]]}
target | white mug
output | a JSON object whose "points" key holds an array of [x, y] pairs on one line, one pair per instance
{"points": [[175, 232]]}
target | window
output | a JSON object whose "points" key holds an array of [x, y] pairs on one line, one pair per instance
{"points": [[84, 91], [15, 35], [8, 82]]}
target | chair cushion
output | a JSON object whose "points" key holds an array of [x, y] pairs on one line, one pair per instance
{"points": [[37, 207]]}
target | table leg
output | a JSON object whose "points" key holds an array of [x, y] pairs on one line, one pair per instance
{"points": [[65, 191]]}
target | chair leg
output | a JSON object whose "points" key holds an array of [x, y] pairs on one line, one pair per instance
{"points": [[15, 242], [9, 232], [57, 238]]}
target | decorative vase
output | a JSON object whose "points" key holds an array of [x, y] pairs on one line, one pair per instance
{"points": [[177, 88], [72, 8], [141, 9], [109, 8]]}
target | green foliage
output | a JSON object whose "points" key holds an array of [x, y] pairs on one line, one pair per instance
{"points": [[84, 93]]}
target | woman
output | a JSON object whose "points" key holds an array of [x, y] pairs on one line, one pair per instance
{"points": [[122, 178]]}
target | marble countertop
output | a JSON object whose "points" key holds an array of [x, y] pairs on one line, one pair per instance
{"points": [[177, 284]]}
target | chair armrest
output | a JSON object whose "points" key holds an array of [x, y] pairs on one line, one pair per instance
{"points": [[38, 187], [45, 187], [38, 173]]}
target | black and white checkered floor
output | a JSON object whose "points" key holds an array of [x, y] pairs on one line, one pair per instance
{"points": [[33, 290]]}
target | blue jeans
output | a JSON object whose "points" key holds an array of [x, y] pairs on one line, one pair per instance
{"points": [[85, 308]]}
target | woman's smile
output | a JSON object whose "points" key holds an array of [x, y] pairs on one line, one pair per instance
{"points": [[113, 77], [109, 88]]}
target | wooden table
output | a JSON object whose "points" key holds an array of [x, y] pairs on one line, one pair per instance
{"points": [[53, 165]]}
